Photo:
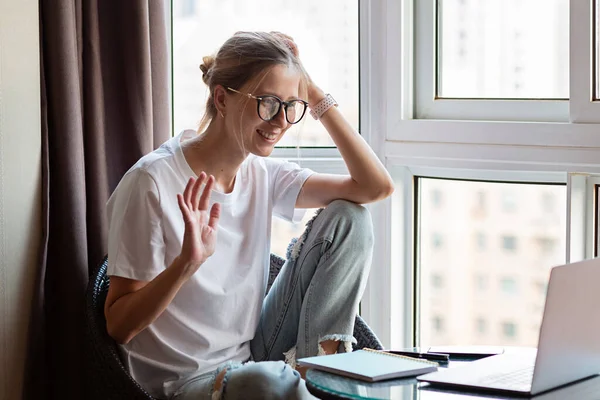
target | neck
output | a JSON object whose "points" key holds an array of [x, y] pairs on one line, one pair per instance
{"points": [[217, 153]]}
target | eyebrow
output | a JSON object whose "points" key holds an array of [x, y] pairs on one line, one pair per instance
{"points": [[271, 93]]}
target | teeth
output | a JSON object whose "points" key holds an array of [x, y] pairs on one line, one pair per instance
{"points": [[269, 136]]}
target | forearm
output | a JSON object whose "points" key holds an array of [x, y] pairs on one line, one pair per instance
{"points": [[134, 312], [363, 165]]}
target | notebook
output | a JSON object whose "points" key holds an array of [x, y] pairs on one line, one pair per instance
{"points": [[370, 365]]}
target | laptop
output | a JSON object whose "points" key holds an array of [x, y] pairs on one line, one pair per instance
{"points": [[568, 347]]}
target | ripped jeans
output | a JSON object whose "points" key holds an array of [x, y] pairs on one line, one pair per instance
{"points": [[314, 298]]}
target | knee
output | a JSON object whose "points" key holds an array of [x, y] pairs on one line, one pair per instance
{"points": [[264, 380], [354, 217]]}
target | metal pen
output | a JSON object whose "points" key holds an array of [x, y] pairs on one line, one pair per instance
{"points": [[426, 356]]}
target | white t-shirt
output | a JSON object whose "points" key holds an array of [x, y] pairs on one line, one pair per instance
{"points": [[216, 312]]}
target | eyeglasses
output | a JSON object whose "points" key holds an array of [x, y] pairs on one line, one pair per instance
{"points": [[268, 107]]}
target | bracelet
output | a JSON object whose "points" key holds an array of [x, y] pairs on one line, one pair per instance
{"points": [[322, 106]]}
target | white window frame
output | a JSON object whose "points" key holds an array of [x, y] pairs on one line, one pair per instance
{"points": [[591, 228], [429, 106], [596, 32], [507, 151]]}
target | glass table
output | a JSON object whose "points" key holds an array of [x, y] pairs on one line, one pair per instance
{"points": [[328, 386]]}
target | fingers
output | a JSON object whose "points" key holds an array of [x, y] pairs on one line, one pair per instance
{"points": [[288, 40], [215, 214], [196, 191], [282, 35], [204, 199], [185, 211], [187, 193]]}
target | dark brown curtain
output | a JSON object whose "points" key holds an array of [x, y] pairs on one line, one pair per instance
{"points": [[105, 74]]}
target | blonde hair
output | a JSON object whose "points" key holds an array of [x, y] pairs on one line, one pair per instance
{"points": [[245, 58]]}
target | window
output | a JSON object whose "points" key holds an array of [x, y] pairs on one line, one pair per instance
{"points": [[481, 201], [437, 240], [438, 324], [472, 271], [480, 326], [436, 198], [546, 245], [508, 286], [457, 132], [596, 33], [509, 330], [470, 54], [327, 37], [437, 281], [509, 202], [480, 241], [503, 49], [509, 243]]}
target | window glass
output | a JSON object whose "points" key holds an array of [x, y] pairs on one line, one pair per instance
{"points": [[596, 33], [282, 232], [493, 264], [327, 38], [508, 286], [509, 330], [437, 281], [481, 326], [480, 240], [509, 243], [505, 49]]}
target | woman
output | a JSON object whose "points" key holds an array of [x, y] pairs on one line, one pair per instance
{"points": [[190, 231]]}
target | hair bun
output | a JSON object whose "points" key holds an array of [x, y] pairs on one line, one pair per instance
{"points": [[206, 66]]}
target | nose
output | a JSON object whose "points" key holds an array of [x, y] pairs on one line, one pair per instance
{"points": [[279, 119]]}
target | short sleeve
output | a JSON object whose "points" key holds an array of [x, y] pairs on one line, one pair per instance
{"points": [[136, 247], [286, 182]]}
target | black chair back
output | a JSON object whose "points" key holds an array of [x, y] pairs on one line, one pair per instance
{"points": [[107, 376]]}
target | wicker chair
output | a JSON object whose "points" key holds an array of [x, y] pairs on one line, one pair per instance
{"points": [[107, 376]]}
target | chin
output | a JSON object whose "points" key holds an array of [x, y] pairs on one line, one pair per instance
{"points": [[263, 152]]}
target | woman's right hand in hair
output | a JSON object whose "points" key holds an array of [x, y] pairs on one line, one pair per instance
{"points": [[200, 236]]}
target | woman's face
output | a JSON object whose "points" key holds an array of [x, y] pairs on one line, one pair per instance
{"points": [[259, 136]]}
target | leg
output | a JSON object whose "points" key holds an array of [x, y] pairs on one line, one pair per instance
{"points": [[261, 381], [314, 300]]}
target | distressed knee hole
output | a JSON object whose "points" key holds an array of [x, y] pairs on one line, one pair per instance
{"points": [[221, 375], [290, 357], [344, 345]]}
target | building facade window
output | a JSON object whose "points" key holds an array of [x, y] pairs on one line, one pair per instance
{"points": [[509, 330], [509, 243]]}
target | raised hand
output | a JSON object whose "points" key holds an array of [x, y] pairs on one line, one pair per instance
{"points": [[289, 41], [200, 236]]}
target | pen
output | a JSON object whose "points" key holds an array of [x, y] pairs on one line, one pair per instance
{"points": [[426, 356]]}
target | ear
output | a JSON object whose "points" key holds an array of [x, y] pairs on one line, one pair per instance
{"points": [[220, 99]]}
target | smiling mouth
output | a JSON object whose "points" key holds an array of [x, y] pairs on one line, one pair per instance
{"points": [[268, 136]]}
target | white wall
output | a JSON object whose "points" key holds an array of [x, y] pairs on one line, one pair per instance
{"points": [[20, 184]]}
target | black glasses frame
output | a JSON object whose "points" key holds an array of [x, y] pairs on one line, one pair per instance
{"points": [[285, 105]]}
